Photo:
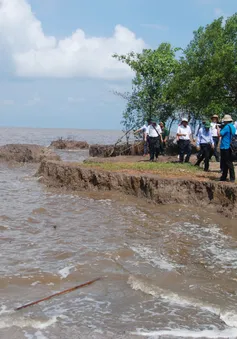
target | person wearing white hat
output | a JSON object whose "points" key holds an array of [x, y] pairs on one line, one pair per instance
{"points": [[226, 134], [155, 138], [184, 140]]}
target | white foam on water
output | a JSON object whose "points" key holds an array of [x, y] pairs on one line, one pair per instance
{"points": [[65, 271], [153, 258], [228, 317], [4, 310], [24, 322], [229, 333], [212, 240], [39, 335], [227, 257], [171, 297], [36, 335], [106, 202]]}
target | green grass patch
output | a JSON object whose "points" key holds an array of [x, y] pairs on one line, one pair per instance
{"points": [[155, 167]]}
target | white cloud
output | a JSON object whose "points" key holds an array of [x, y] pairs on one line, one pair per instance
{"points": [[7, 102], [35, 54], [156, 26], [206, 2], [73, 100], [218, 12], [33, 101]]}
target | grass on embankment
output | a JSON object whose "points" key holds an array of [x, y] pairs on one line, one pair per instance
{"points": [[164, 169]]}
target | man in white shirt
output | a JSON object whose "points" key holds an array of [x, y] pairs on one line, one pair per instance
{"points": [[235, 127], [144, 130], [155, 138], [214, 131], [184, 134]]}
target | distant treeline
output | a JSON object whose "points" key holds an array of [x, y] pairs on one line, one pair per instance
{"points": [[197, 81]]}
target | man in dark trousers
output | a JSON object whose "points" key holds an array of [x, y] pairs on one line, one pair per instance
{"points": [[226, 134], [165, 136], [155, 138], [205, 143], [184, 134]]}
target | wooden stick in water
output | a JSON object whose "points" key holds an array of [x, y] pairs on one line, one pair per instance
{"points": [[57, 294]]}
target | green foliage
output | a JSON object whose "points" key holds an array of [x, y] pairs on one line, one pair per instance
{"points": [[206, 78], [202, 82], [153, 70]]}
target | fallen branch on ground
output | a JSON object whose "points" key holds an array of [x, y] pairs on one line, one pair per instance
{"points": [[57, 294]]}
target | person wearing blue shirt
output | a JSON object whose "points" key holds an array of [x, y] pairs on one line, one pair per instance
{"points": [[205, 143], [226, 134]]}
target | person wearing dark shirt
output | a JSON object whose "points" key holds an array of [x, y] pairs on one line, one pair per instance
{"points": [[165, 136]]}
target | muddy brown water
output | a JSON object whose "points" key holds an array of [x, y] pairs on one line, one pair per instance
{"points": [[168, 272]]}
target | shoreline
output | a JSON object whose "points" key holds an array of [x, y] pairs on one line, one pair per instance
{"points": [[152, 186], [163, 182]]}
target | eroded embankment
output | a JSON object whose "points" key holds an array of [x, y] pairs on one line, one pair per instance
{"points": [[161, 190], [26, 153]]}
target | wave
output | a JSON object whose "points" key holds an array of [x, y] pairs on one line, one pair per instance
{"points": [[9, 318], [229, 333], [37, 335], [23, 322], [153, 258], [228, 317], [4, 310]]}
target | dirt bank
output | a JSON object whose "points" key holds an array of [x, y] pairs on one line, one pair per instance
{"points": [[158, 188], [26, 153], [69, 144]]}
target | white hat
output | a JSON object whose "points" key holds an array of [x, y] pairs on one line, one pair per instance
{"points": [[227, 118], [184, 119]]}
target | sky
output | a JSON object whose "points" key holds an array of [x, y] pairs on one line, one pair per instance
{"points": [[56, 65]]}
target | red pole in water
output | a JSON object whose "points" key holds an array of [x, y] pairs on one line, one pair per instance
{"points": [[57, 294]]}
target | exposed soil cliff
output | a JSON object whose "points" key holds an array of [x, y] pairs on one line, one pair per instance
{"points": [[158, 189], [26, 153], [69, 144]]}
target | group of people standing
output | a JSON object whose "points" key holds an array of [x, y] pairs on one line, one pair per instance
{"points": [[208, 136], [155, 137]]}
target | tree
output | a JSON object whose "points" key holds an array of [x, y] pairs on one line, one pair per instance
{"points": [[206, 77], [153, 70]]}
